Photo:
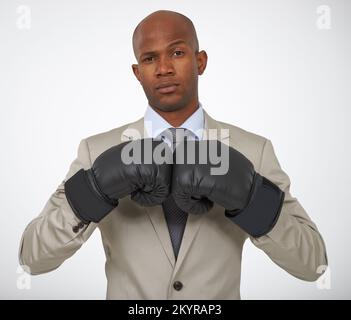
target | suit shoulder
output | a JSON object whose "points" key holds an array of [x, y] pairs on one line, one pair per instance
{"points": [[102, 141], [244, 136], [250, 144], [107, 135]]}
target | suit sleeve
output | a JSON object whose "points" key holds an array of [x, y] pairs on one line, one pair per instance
{"points": [[294, 243], [56, 233]]}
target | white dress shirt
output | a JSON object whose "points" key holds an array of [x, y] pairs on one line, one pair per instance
{"points": [[155, 125]]}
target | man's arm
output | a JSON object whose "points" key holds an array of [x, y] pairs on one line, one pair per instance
{"points": [[56, 234], [294, 243]]}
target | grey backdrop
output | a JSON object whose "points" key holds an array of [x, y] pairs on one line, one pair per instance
{"points": [[278, 68]]}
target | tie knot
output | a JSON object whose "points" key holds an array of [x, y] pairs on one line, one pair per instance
{"points": [[176, 135]]}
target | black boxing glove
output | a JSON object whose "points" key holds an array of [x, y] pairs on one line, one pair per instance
{"points": [[201, 177], [140, 168]]}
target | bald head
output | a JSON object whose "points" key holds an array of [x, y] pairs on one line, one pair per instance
{"points": [[164, 22], [168, 64]]}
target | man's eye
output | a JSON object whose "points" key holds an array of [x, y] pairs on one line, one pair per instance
{"points": [[178, 53], [148, 59]]}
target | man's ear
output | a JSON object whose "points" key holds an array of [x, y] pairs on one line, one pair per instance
{"points": [[201, 61], [135, 68]]}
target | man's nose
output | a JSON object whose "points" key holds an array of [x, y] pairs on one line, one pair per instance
{"points": [[164, 66]]}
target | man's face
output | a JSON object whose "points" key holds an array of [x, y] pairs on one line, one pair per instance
{"points": [[168, 66]]}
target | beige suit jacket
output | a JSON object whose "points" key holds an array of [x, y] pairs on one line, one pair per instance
{"points": [[139, 257]]}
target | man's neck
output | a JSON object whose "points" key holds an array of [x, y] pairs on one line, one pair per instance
{"points": [[178, 117]]}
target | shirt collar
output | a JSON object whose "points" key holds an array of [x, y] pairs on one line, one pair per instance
{"points": [[154, 124]]}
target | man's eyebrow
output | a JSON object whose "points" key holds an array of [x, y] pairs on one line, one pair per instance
{"points": [[171, 44], [176, 42]]}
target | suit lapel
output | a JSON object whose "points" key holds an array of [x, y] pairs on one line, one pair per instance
{"points": [[136, 131], [194, 221]]}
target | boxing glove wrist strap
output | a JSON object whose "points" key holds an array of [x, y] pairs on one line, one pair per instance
{"points": [[263, 209], [85, 199]]}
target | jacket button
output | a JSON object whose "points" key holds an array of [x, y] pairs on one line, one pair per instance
{"points": [[75, 229], [177, 285], [81, 224]]}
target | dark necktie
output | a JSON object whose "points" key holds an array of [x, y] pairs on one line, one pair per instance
{"points": [[175, 217]]}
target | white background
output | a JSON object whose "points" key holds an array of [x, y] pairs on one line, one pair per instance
{"points": [[272, 70]]}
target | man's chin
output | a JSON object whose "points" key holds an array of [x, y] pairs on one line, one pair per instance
{"points": [[169, 107]]}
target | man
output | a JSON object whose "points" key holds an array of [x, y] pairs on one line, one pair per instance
{"points": [[156, 247]]}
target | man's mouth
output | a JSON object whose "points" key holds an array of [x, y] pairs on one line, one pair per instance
{"points": [[167, 87]]}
